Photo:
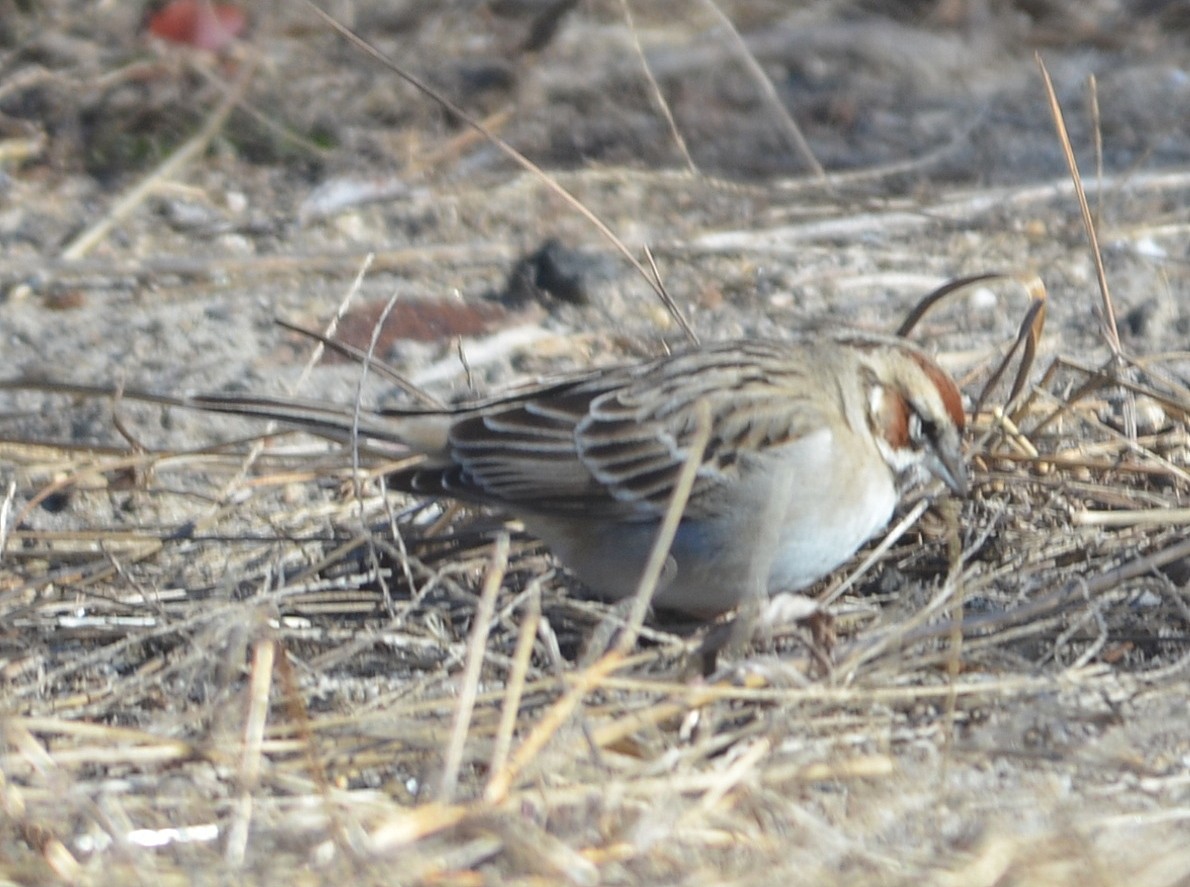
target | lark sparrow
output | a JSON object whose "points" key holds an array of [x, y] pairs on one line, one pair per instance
{"points": [[812, 443]]}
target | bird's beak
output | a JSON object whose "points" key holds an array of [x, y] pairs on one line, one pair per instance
{"points": [[946, 463]]}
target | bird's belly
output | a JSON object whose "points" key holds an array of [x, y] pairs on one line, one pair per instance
{"points": [[816, 539], [608, 556], [780, 538]]}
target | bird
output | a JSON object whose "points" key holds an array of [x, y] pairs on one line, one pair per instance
{"points": [[813, 442]]}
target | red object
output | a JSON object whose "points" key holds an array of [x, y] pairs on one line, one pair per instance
{"points": [[198, 23]]}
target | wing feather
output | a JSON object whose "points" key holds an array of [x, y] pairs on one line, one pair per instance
{"points": [[611, 444]]}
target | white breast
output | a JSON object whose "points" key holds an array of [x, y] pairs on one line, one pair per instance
{"points": [[838, 497]]}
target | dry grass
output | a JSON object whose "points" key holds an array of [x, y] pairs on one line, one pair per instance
{"points": [[246, 662], [259, 690]]}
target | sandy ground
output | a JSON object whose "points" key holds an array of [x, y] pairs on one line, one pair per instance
{"points": [[158, 570]]}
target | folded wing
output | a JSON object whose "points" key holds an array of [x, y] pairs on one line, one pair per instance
{"points": [[611, 444]]}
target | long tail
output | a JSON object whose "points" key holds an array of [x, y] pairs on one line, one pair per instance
{"points": [[392, 434]]}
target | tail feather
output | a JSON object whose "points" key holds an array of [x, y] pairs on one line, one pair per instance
{"points": [[391, 434]]}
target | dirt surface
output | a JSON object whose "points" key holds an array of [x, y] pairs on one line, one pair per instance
{"points": [[188, 640]]}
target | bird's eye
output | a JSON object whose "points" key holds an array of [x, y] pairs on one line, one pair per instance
{"points": [[922, 431]]}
